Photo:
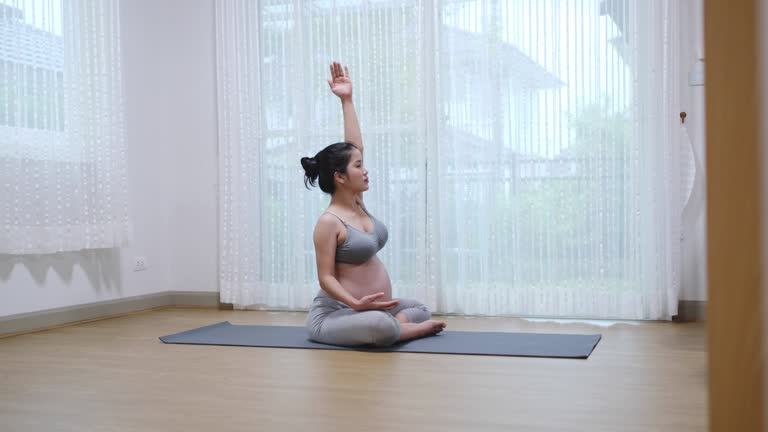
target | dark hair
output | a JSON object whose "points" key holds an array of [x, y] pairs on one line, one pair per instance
{"points": [[328, 161]]}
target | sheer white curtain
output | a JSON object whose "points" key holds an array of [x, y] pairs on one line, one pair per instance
{"points": [[62, 148], [524, 154], [555, 169], [275, 107]]}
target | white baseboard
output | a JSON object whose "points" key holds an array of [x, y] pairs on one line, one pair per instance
{"points": [[34, 321]]}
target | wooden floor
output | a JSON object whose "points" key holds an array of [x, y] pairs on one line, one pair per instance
{"points": [[115, 375]]}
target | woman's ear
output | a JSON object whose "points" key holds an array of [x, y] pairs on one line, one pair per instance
{"points": [[340, 177]]}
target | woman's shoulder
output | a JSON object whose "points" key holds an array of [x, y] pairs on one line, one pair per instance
{"points": [[328, 220], [329, 225]]}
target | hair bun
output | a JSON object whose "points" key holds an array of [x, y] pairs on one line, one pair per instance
{"points": [[310, 166]]}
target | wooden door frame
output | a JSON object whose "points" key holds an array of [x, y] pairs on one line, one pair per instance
{"points": [[735, 199]]}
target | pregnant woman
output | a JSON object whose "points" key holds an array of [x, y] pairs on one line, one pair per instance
{"points": [[354, 305]]}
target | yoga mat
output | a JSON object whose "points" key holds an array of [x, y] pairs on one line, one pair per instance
{"points": [[448, 342]]}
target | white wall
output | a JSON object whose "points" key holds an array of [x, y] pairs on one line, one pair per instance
{"points": [[173, 60], [694, 252], [168, 60]]}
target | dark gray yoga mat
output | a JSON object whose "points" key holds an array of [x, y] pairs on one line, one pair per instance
{"points": [[447, 342]]}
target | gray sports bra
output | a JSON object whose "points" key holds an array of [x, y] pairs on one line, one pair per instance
{"points": [[360, 246]]}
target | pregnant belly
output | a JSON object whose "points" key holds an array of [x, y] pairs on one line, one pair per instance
{"points": [[361, 280]]}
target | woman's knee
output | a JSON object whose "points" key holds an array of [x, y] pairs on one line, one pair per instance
{"points": [[385, 329], [417, 313]]}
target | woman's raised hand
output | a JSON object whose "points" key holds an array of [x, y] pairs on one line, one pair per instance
{"points": [[340, 83], [370, 302]]}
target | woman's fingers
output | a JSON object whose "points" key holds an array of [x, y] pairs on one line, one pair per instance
{"points": [[385, 305], [370, 301], [391, 304], [371, 298], [337, 71]]}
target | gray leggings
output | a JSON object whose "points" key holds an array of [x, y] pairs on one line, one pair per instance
{"points": [[333, 322]]}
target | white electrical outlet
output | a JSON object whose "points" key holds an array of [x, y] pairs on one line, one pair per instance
{"points": [[139, 264]]}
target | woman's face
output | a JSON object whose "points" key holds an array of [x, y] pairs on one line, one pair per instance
{"points": [[356, 178]]}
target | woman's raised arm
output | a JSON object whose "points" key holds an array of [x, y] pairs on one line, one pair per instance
{"points": [[341, 86]]}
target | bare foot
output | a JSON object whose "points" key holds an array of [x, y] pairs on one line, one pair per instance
{"points": [[433, 327], [417, 330]]}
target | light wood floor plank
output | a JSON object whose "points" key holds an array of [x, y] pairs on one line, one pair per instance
{"points": [[115, 375]]}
